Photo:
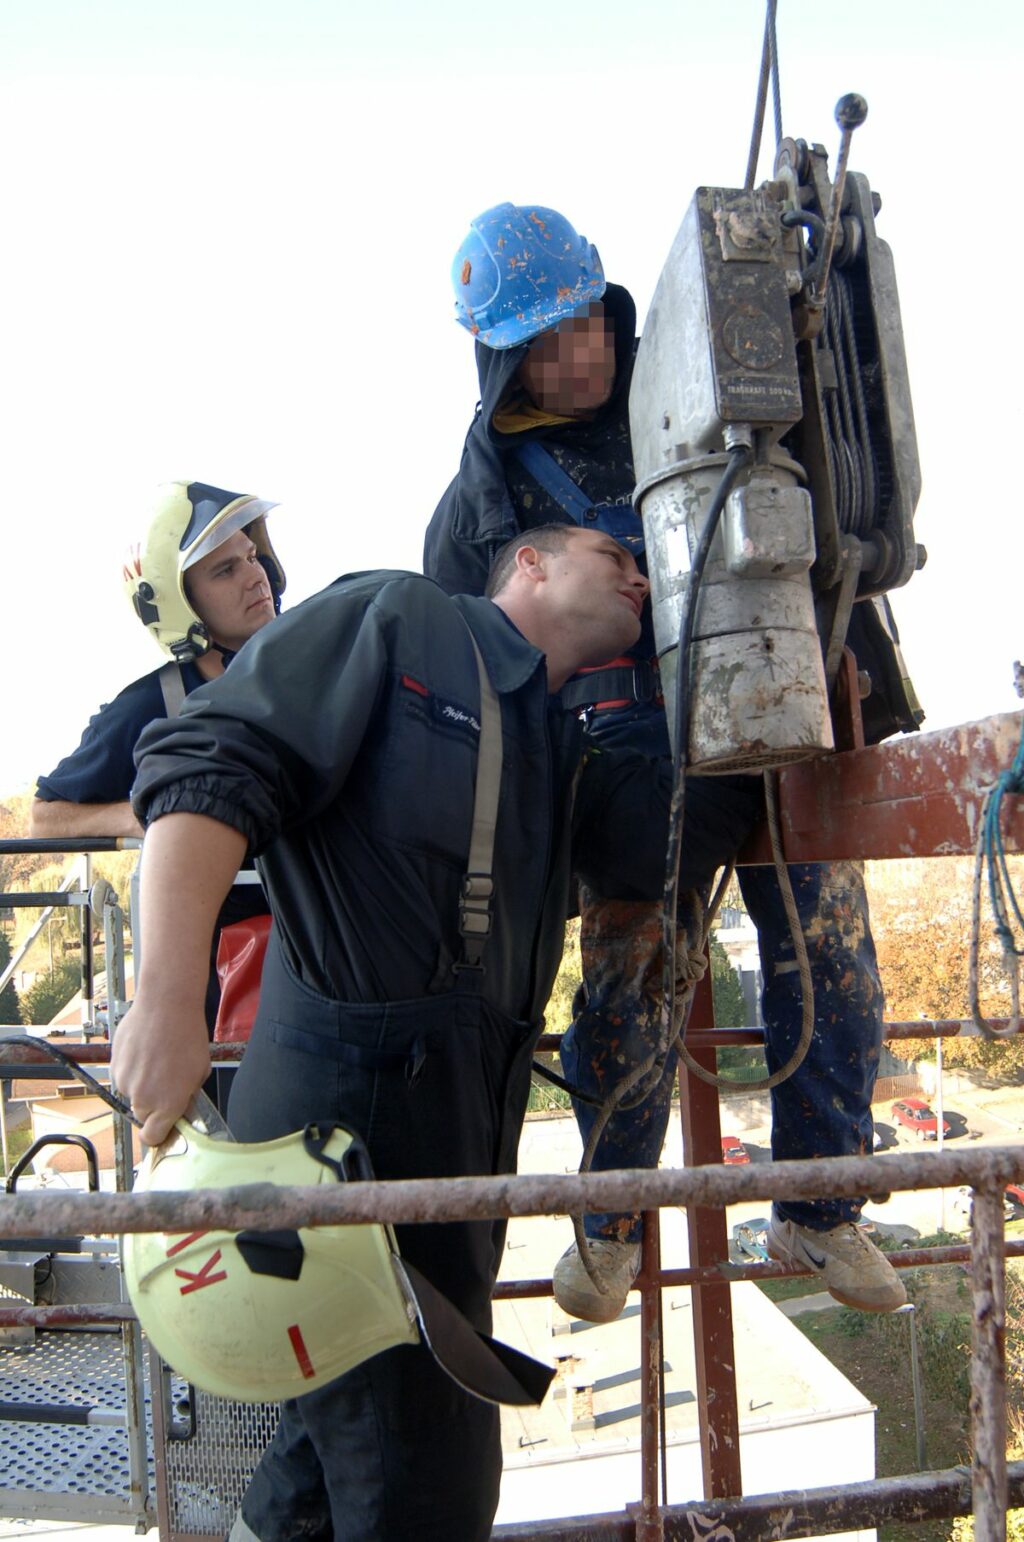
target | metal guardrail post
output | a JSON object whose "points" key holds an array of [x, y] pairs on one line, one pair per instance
{"points": [[988, 1364], [648, 1522], [106, 907], [712, 1304]]}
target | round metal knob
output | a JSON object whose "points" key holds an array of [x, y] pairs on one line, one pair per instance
{"points": [[851, 110]]}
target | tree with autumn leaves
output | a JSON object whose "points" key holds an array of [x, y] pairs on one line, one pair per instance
{"points": [[921, 917]]}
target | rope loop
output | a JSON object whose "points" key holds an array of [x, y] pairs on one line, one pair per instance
{"points": [[990, 855]]}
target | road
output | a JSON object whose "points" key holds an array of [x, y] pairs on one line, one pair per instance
{"points": [[985, 1116]]}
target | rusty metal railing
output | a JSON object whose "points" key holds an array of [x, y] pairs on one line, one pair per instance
{"points": [[986, 1171]]}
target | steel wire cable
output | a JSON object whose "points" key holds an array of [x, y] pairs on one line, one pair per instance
{"points": [[759, 106], [776, 88]]}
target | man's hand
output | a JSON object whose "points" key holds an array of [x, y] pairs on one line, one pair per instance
{"points": [[158, 1061]]}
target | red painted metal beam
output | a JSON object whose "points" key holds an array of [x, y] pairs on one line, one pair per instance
{"points": [[712, 1303], [917, 796]]}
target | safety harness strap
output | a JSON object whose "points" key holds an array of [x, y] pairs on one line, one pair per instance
{"points": [[558, 484], [636, 681], [477, 883]]}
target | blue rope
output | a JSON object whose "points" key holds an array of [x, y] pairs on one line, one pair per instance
{"points": [[1000, 884]]}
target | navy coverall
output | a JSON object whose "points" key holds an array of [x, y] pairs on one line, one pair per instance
{"points": [[343, 745]]}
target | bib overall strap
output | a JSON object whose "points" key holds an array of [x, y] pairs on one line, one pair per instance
{"points": [[172, 689], [477, 883]]}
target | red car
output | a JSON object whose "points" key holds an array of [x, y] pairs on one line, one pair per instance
{"points": [[734, 1151], [915, 1114]]}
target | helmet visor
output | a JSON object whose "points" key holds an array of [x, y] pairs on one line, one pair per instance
{"points": [[222, 524]]}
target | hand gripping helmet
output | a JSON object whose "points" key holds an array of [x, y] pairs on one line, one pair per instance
{"points": [[520, 271], [264, 1315], [190, 521]]}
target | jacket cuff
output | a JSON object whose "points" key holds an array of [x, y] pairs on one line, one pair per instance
{"points": [[187, 798]]}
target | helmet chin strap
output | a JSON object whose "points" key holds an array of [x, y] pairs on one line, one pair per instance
{"points": [[227, 654], [273, 573]]}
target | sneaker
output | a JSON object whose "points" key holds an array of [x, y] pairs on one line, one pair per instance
{"points": [[849, 1265], [615, 1264]]}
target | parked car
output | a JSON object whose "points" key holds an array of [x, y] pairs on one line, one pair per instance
{"points": [[1013, 1201], [915, 1114], [750, 1238], [734, 1151]]}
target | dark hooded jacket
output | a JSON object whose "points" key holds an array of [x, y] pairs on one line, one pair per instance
{"points": [[494, 497]]}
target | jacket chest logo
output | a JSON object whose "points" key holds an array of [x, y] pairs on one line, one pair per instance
{"points": [[435, 711]]}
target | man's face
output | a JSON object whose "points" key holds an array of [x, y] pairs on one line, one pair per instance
{"points": [[598, 593], [231, 592], [571, 369]]}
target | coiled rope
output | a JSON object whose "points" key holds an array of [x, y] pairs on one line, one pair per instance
{"points": [[990, 854]]}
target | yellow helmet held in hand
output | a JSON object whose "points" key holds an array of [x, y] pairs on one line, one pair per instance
{"points": [[190, 520], [260, 1316]]}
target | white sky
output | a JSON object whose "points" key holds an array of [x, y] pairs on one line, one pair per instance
{"points": [[228, 226]]}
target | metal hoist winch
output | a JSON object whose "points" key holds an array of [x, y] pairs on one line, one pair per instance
{"points": [[773, 345]]}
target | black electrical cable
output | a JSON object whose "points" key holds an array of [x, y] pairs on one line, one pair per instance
{"points": [[642, 1080], [26, 1041], [560, 1082], [739, 459]]}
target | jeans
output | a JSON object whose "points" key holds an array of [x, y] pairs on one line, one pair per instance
{"points": [[824, 1109]]}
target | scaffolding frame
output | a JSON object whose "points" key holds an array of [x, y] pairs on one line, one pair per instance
{"points": [[921, 796]]}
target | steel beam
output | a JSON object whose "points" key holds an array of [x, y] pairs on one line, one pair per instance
{"points": [[917, 796]]}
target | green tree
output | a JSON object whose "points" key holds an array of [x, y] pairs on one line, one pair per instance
{"points": [[730, 1008], [10, 1007], [51, 992]]}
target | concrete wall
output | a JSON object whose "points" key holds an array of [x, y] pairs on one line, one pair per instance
{"points": [[802, 1454]]}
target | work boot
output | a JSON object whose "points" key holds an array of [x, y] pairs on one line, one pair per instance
{"points": [[614, 1263], [848, 1264]]}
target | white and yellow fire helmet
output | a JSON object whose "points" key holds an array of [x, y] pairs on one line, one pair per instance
{"points": [[260, 1316], [190, 520]]}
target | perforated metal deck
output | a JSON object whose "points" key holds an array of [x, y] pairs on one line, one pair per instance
{"points": [[66, 1471], [52, 1471], [207, 1475]]}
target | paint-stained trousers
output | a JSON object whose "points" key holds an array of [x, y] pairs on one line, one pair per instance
{"points": [[824, 1109]]}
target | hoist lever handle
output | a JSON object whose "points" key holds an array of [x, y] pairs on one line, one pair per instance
{"points": [[851, 110]]}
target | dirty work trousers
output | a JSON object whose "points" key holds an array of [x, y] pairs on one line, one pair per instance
{"points": [[438, 1087], [824, 1109]]}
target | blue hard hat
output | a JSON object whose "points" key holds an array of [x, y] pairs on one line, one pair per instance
{"points": [[521, 270]]}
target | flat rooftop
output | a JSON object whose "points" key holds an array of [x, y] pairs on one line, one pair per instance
{"points": [[786, 1388]]}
